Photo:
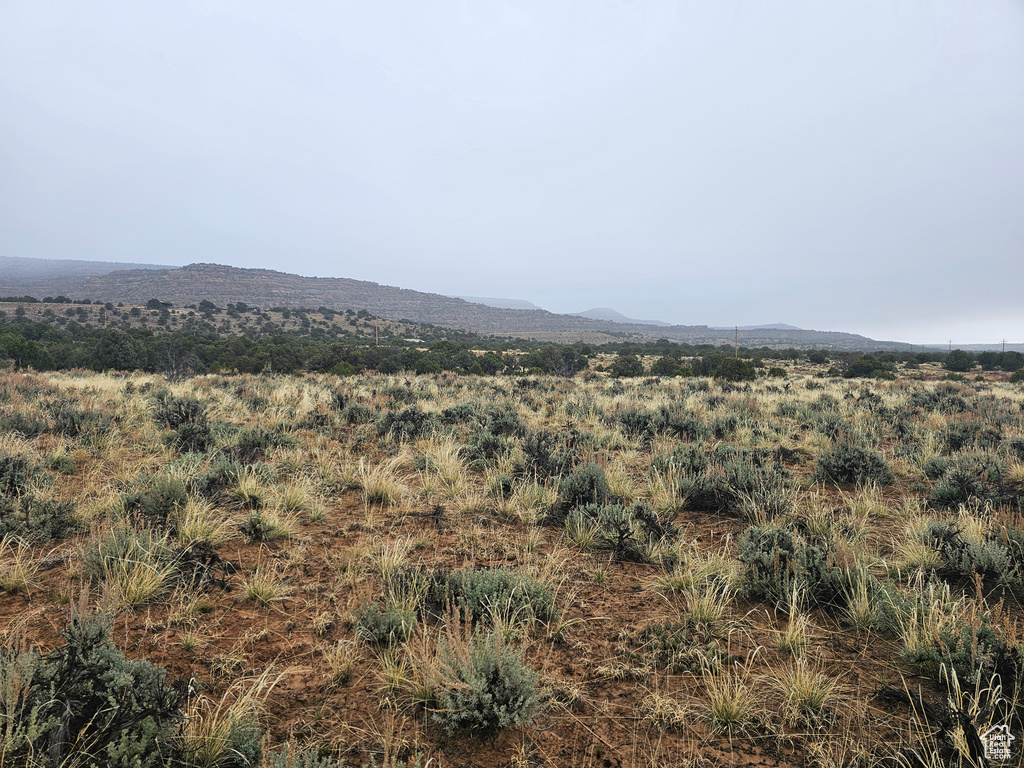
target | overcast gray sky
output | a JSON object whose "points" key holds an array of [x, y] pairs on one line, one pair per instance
{"points": [[835, 165]]}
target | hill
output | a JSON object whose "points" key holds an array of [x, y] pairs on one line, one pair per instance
{"points": [[765, 327], [56, 277], [268, 288], [499, 303], [612, 316]]}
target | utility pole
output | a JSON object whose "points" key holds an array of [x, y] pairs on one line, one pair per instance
{"points": [[736, 351], [950, 345], [1004, 346]]}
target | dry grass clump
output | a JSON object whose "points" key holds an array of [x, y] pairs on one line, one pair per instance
{"points": [[729, 700], [218, 732], [809, 691], [340, 661], [199, 522], [18, 569], [382, 483], [265, 586], [137, 566]]}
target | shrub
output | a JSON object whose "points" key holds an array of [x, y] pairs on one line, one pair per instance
{"points": [[37, 519], [718, 481], [15, 473], [482, 593], [625, 366], [587, 485], [174, 412], [356, 413], [849, 463], [963, 557], [408, 424], [735, 369], [193, 438], [681, 425], [935, 466], [504, 421], [960, 435], [979, 475], [639, 424], [252, 443], [539, 450], [86, 698], [934, 636], [484, 684], [779, 561], [157, 500], [68, 419], [959, 360], [385, 625], [484, 447], [61, 462], [665, 366], [1014, 446], [868, 366], [1018, 376], [221, 474], [629, 532], [463, 413]]}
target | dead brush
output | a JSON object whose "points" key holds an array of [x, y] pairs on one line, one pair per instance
{"points": [[339, 662], [137, 566], [444, 461], [664, 493], [665, 712], [295, 497], [389, 558], [861, 600], [921, 614]]}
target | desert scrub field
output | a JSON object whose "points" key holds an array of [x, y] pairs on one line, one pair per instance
{"points": [[501, 571]]}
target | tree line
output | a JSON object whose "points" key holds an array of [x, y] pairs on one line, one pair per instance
{"points": [[44, 346]]}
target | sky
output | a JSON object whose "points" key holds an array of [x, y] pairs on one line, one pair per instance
{"points": [[853, 166]]}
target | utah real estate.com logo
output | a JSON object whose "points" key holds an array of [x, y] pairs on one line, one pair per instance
{"points": [[996, 742]]}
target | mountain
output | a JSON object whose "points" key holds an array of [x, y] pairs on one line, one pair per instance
{"points": [[767, 327], [56, 277], [499, 303], [267, 288], [611, 316]]}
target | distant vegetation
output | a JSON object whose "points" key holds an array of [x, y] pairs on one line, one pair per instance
{"points": [[222, 285], [59, 334]]}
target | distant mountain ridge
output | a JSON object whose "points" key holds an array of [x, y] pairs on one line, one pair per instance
{"points": [[55, 277], [610, 315], [766, 327], [597, 313], [267, 288], [499, 303]]}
